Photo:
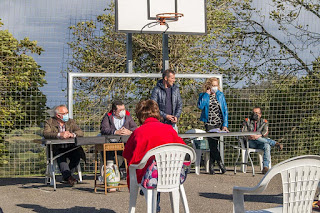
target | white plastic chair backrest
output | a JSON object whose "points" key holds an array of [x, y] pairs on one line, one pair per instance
{"points": [[300, 177], [191, 131], [169, 158]]}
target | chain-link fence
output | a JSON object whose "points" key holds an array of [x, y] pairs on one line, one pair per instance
{"points": [[284, 82]]}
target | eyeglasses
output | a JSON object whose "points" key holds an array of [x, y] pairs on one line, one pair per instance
{"points": [[63, 113]]}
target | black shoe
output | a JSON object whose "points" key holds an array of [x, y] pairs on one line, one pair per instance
{"points": [[221, 166], [211, 168], [71, 181], [123, 174], [279, 145], [141, 192], [265, 170]]}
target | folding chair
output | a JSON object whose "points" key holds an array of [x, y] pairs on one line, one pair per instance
{"points": [[244, 151]]}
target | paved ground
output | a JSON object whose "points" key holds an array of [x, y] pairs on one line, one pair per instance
{"points": [[205, 193]]}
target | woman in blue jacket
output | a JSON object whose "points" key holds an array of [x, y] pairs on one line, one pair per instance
{"points": [[215, 116]]}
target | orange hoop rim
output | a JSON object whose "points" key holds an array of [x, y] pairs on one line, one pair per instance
{"points": [[163, 17]]}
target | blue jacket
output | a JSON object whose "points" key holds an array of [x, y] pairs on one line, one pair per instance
{"points": [[159, 95], [203, 104]]}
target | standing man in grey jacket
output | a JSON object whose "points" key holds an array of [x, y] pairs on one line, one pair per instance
{"points": [[167, 95]]}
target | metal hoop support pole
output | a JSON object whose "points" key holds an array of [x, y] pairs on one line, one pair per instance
{"points": [[165, 51], [129, 53]]}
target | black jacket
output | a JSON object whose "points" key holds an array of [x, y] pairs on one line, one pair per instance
{"points": [[159, 95]]}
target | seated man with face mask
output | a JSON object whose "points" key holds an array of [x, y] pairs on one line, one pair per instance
{"points": [[117, 122], [256, 124], [61, 127]]}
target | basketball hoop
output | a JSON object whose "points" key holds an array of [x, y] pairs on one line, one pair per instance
{"points": [[163, 17]]}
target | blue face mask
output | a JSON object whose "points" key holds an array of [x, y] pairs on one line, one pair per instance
{"points": [[65, 118]]}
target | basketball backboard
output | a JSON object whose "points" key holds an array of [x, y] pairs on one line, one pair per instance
{"points": [[139, 16]]}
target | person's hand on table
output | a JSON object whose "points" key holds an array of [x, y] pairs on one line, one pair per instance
{"points": [[66, 134], [224, 128], [254, 137], [123, 131], [126, 131]]}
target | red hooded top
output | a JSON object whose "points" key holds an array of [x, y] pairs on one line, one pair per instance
{"points": [[150, 134]]}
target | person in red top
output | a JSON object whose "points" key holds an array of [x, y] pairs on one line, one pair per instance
{"points": [[150, 134]]}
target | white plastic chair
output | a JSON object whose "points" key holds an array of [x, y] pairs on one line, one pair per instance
{"points": [[245, 155], [300, 178], [169, 158], [199, 152]]}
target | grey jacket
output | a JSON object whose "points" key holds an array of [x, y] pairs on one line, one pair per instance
{"points": [[256, 126], [159, 95]]}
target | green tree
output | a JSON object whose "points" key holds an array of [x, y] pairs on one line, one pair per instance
{"points": [[96, 47], [282, 43], [239, 44], [22, 104]]}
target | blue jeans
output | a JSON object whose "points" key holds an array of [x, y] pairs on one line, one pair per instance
{"points": [[264, 144]]}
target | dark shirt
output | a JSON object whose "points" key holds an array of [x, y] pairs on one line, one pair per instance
{"points": [[168, 102]]}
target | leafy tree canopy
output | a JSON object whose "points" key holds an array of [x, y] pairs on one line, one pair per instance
{"points": [[21, 101]]}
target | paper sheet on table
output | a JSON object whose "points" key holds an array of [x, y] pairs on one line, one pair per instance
{"points": [[216, 130]]}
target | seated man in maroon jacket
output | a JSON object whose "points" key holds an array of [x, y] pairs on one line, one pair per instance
{"points": [[117, 121]]}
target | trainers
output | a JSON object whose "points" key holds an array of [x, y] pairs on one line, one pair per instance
{"points": [[265, 170], [279, 145]]}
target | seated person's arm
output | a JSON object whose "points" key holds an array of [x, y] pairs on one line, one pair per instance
{"points": [[77, 132], [123, 131], [265, 129], [105, 127], [244, 127], [132, 124], [49, 132]]}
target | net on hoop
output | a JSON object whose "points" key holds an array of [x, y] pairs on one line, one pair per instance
{"points": [[163, 17]]}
